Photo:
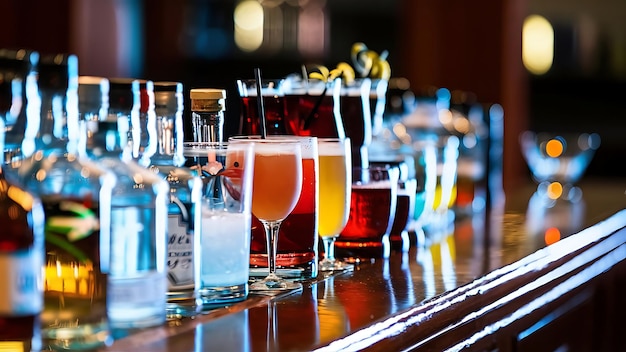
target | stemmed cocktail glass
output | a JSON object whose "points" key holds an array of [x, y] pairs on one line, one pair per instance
{"points": [[277, 184], [335, 182]]}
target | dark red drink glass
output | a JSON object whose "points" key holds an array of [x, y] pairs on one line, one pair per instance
{"points": [[405, 206], [297, 252], [273, 103], [313, 107], [372, 212]]}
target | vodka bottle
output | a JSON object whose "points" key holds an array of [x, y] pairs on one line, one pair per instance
{"points": [[76, 197], [184, 215], [137, 282], [22, 237]]}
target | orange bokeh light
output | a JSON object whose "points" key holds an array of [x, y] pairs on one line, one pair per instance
{"points": [[555, 190], [552, 235], [554, 148]]}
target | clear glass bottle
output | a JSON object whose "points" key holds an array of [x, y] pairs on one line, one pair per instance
{"points": [[22, 237], [76, 197], [184, 213], [207, 114], [137, 282]]}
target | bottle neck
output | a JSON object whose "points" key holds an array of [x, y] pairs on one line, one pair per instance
{"points": [[105, 137], [53, 127], [143, 137], [169, 132]]}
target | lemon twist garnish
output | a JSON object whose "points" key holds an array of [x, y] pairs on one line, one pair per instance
{"points": [[362, 62], [369, 63], [343, 70], [322, 73]]}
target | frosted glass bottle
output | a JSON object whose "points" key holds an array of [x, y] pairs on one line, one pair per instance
{"points": [[184, 213], [76, 197], [137, 282]]}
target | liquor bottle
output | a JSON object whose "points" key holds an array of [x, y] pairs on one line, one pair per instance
{"points": [[207, 122], [184, 213], [76, 197], [137, 281], [22, 238]]}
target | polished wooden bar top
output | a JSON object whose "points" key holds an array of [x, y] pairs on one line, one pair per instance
{"points": [[333, 307]]}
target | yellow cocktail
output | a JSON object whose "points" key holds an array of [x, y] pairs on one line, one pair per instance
{"points": [[334, 194], [335, 180]]}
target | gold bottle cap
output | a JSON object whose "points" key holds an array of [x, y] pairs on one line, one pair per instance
{"points": [[207, 99], [207, 93]]}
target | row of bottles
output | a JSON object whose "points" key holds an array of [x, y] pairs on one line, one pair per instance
{"points": [[94, 192]]}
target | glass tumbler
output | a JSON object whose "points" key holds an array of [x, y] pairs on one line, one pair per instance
{"points": [[227, 171], [372, 211]]}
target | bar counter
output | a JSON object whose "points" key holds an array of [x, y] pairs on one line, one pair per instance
{"points": [[455, 293]]}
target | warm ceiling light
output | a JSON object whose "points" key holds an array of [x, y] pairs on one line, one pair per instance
{"points": [[537, 44], [248, 17]]}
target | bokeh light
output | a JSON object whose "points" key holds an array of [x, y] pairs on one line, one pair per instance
{"points": [[555, 190], [554, 148], [248, 19], [552, 235], [537, 44]]}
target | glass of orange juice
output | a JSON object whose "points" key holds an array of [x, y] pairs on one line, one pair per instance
{"points": [[335, 181], [276, 188]]}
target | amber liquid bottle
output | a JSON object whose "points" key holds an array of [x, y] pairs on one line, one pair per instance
{"points": [[21, 238]]}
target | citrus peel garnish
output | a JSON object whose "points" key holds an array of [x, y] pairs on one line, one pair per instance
{"points": [[362, 62], [343, 70], [322, 73], [369, 63]]}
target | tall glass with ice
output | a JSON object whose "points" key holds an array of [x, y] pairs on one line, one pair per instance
{"points": [[226, 170]]}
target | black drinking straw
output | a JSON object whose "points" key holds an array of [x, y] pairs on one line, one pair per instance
{"points": [[318, 103], [259, 94]]}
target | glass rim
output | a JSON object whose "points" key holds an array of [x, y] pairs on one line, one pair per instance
{"points": [[269, 139], [199, 149], [332, 139], [204, 144]]}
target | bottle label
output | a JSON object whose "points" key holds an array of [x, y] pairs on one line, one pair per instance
{"points": [[180, 253], [72, 231], [22, 283]]}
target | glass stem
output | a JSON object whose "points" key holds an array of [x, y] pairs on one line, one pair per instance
{"points": [[271, 240], [329, 248]]}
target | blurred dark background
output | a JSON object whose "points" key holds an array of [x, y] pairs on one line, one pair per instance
{"points": [[457, 44]]}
